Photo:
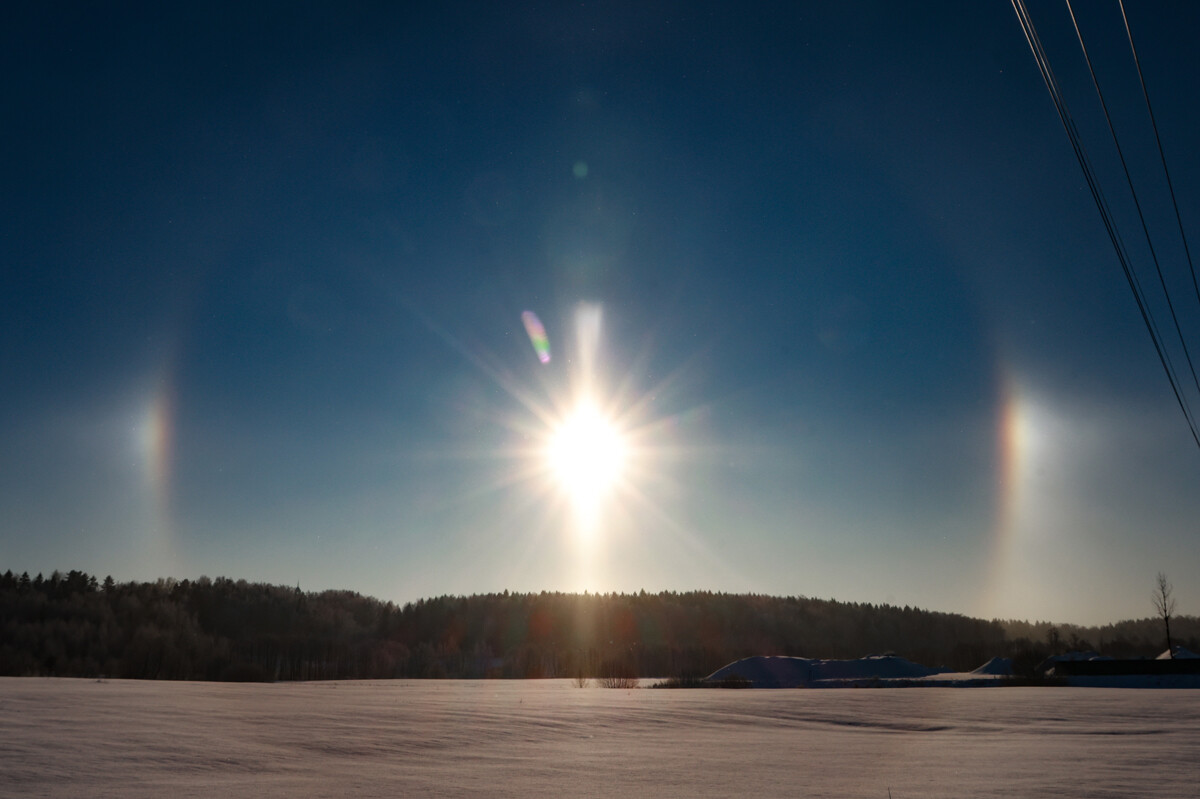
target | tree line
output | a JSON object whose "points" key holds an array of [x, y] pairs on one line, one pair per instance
{"points": [[72, 625]]}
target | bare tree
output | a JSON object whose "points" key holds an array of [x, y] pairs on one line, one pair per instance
{"points": [[1164, 603]]}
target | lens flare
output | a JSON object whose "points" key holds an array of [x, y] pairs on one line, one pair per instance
{"points": [[537, 335]]}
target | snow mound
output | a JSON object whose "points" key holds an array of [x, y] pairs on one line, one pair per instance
{"points": [[999, 666], [1180, 654], [794, 672]]}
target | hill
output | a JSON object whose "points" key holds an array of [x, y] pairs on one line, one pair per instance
{"points": [[221, 629]]}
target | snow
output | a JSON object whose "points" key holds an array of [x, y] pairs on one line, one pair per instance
{"points": [[874, 671], [1180, 653], [1173, 681], [792, 672], [69, 738], [1001, 667]]}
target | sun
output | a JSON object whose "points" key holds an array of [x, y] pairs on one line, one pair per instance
{"points": [[586, 454]]}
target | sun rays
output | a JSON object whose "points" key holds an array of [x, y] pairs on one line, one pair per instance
{"points": [[589, 466]]}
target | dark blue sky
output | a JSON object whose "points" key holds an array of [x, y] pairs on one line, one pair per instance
{"points": [[862, 329]]}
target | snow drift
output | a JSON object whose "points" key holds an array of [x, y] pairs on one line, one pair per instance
{"points": [[796, 672], [996, 666]]}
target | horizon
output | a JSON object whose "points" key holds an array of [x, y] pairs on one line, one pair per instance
{"points": [[427, 299], [46, 576]]}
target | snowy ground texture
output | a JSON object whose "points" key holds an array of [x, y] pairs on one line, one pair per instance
{"points": [[72, 738]]}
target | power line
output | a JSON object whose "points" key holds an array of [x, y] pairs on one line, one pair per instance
{"points": [[1161, 155], [1133, 192], [1060, 106]]}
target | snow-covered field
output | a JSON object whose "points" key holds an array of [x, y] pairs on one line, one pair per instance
{"points": [[74, 738]]}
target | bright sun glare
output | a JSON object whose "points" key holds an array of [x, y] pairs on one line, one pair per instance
{"points": [[586, 454]]}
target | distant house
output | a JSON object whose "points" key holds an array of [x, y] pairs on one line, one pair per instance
{"points": [[1091, 669]]}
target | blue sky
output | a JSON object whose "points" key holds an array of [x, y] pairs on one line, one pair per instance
{"points": [[859, 323]]}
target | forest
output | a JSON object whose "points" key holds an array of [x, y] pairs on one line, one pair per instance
{"points": [[74, 625]]}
